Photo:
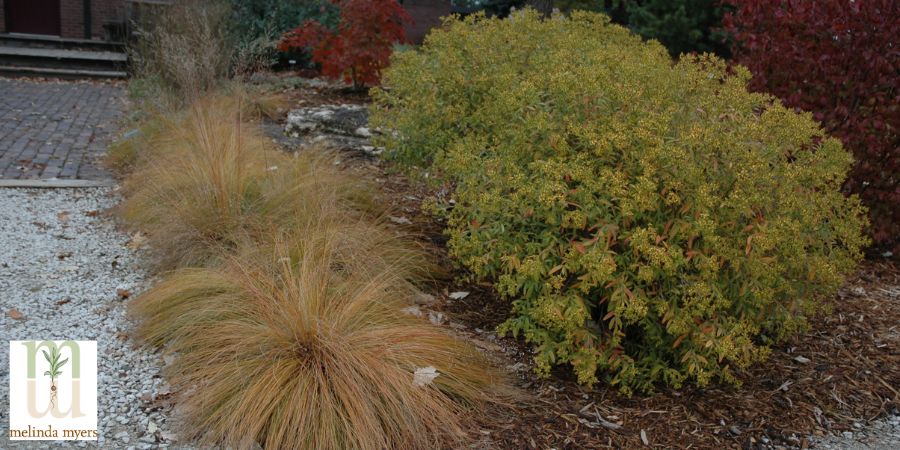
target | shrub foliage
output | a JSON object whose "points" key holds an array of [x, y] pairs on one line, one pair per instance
{"points": [[683, 26], [360, 47], [838, 60], [649, 221]]}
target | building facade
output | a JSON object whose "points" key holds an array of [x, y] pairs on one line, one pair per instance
{"points": [[426, 14], [73, 19]]}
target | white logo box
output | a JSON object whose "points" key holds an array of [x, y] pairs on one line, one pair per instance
{"points": [[33, 412]]}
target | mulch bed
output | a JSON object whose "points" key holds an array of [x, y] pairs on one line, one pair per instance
{"points": [[843, 372]]}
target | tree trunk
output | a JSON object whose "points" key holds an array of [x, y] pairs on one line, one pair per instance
{"points": [[545, 7]]}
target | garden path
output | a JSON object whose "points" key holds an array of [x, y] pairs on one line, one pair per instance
{"points": [[57, 129], [66, 272]]}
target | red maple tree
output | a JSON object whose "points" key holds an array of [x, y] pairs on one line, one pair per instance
{"points": [[840, 60], [360, 47]]}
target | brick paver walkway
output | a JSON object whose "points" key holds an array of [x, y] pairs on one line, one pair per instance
{"points": [[55, 129]]}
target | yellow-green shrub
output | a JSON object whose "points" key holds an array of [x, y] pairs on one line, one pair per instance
{"points": [[650, 221]]}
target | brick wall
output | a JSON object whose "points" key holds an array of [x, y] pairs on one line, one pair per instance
{"points": [[72, 17], [71, 23], [2, 17], [426, 15], [105, 11]]}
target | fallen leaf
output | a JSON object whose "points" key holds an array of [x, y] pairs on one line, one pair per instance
{"points": [[123, 293], [136, 241], [16, 315], [400, 220], [63, 216], [92, 213], [424, 376], [64, 301], [424, 299], [169, 436], [459, 295], [435, 318], [413, 311], [64, 255]]}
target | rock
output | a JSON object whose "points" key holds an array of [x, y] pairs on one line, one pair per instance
{"points": [[334, 119], [338, 127]]}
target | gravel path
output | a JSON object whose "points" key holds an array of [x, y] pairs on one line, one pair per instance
{"points": [[61, 264], [881, 434]]}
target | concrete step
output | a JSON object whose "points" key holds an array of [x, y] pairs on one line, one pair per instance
{"points": [[25, 71], [52, 58], [32, 40]]}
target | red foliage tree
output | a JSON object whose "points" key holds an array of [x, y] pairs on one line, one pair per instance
{"points": [[840, 60], [360, 47]]}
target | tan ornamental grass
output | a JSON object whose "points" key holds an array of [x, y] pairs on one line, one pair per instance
{"points": [[211, 179], [301, 345]]}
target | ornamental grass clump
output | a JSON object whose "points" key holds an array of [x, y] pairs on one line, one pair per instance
{"points": [[210, 180], [301, 344], [650, 221]]}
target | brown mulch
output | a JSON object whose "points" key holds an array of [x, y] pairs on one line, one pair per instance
{"points": [[845, 370]]}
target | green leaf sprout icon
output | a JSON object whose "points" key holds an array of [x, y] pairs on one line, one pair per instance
{"points": [[55, 366]]}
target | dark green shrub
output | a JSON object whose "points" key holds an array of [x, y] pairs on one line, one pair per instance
{"points": [[649, 221], [683, 26]]}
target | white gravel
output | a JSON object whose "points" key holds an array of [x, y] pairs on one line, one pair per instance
{"points": [[53, 248], [881, 434]]}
